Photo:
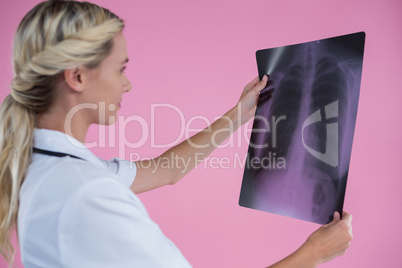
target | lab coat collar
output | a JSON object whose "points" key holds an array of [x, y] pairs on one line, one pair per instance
{"points": [[56, 141]]}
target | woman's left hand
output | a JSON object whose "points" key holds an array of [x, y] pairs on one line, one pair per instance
{"points": [[249, 98]]}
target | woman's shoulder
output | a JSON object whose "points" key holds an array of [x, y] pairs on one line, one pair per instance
{"points": [[56, 190], [66, 170], [53, 180]]}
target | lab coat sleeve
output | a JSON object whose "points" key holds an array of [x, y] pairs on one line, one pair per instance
{"points": [[104, 224], [125, 170]]}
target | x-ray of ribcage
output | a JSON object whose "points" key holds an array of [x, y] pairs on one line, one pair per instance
{"points": [[298, 158]]}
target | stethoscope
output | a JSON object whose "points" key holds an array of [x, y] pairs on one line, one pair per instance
{"points": [[51, 153]]}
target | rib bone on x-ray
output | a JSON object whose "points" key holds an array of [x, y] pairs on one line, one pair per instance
{"points": [[300, 147]]}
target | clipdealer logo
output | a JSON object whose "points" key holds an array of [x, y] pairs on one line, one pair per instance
{"points": [[330, 156]]}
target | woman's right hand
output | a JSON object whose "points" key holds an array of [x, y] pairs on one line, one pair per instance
{"points": [[331, 240]]}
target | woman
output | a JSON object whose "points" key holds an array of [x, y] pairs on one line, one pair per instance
{"points": [[72, 209]]}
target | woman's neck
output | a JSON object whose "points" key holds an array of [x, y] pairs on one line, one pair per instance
{"points": [[73, 125]]}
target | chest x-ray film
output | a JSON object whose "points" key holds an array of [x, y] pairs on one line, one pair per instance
{"points": [[300, 146]]}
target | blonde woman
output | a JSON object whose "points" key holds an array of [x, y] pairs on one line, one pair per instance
{"points": [[70, 208]]}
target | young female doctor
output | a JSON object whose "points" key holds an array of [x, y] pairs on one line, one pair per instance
{"points": [[70, 208]]}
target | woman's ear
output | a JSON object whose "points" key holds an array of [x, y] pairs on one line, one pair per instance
{"points": [[74, 78]]}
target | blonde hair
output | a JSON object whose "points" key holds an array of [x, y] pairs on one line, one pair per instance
{"points": [[52, 37]]}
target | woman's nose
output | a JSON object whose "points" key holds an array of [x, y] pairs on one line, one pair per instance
{"points": [[127, 85]]}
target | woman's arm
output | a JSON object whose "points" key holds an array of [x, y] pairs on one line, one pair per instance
{"points": [[189, 153], [329, 241]]}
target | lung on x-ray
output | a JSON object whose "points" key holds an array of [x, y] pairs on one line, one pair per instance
{"points": [[300, 146]]}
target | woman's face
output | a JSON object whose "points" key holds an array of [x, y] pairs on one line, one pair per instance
{"points": [[106, 84]]}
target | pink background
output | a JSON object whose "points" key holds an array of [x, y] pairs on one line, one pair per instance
{"points": [[198, 56]]}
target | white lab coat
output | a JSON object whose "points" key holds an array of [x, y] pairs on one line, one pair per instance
{"points": [[81, 213]]}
